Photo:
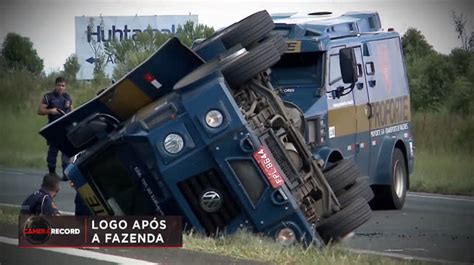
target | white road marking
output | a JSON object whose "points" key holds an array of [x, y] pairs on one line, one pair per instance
{"points": [[12, 172], [405, 257], [441, 197], [84, 253], [393, 250], [18, 206], [417, 249]]}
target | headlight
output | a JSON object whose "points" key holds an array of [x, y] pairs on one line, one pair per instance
{"points": [[214, 118], [286, 237], [173, 143]]}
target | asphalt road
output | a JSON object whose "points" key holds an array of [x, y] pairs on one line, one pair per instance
{"points": [[16, 185], [435, 227], [430, 226]]}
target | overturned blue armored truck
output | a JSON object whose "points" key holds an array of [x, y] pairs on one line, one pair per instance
{"points": [[251, 129]]}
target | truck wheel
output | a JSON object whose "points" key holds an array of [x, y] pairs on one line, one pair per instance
{"points": [[280, 43], [360, 189], [251, 64], [392, 196], [247, 31], [276, 39], [341, 174], [345, 221]]}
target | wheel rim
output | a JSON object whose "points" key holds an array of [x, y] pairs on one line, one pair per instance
{"points": [[399, 179]]}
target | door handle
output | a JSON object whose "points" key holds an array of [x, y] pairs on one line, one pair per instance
{"points": [[360, 86], [368, 110], [372, 83]]}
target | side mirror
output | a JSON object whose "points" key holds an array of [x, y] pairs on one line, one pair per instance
{"points": [[347, 61]]}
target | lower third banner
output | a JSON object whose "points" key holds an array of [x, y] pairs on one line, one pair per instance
{"points": [[110, 231]]}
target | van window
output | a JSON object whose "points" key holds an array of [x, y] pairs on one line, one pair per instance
{"points": [[334, 69], [370, 68], [304, 68]]}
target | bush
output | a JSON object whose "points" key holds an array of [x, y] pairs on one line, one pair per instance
{"points": [[461, 99], [19, 54], [430, 78], [20, 89]]}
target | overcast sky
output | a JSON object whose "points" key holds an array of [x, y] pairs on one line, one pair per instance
{"points": [[50, 23]]}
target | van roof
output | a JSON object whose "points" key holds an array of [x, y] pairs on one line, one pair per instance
{"points": [[317, 29], [326, 23]]}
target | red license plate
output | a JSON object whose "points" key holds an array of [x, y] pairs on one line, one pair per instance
{"points": [[267, 165]]}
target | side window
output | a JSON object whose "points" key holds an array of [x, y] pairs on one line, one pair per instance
{"points": [[370, 68], [359, 70], [334, 69]]}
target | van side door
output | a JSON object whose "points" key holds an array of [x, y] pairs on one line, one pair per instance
{"points": [[389, 98], [362, 115]]}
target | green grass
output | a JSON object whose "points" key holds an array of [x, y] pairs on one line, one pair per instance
{"points": [[443, 172], [444, 153], [249, 246], [245, 245], [9, 215], [22, 146], [442, 132]]}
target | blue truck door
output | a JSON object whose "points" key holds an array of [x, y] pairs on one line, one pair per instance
{"points": [[361, 101], [341, 114]]}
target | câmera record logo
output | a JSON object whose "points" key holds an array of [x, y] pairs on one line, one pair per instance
{"points": [[37, 230]]}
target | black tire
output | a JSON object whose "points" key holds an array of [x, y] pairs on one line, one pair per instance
{"points": [[276, 39], [280, 43], [345, 221], [341, 174], [210, 67], [360, 189], [247, 31], [251, 64], [392, 196]]}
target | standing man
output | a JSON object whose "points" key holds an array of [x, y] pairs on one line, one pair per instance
{"points": [[55, 104], [41, 201]]}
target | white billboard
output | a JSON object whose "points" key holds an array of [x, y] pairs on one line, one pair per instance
{"points": [[93, 32]]}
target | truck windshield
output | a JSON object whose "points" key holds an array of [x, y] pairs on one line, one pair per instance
{"points": [[112, 178], [298, 69]]}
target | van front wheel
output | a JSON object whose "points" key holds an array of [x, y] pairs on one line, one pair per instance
{"points": [[392, 196]]}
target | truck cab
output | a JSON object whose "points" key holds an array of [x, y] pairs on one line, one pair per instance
{"points": [[369, 122]]}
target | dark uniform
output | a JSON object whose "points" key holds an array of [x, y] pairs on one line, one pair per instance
{"points": [[61, 102], [39, 203]]}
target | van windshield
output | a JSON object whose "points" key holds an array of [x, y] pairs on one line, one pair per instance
{"points": [[304, 68]]}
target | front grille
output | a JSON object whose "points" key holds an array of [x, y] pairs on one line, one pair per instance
{"points": [[194, 187], [281, 158]]}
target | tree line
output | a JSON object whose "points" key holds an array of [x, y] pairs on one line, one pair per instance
{"points": [[440, 82]]}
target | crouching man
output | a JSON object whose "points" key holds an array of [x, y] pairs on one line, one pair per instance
{"points": [[41, 201]]}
